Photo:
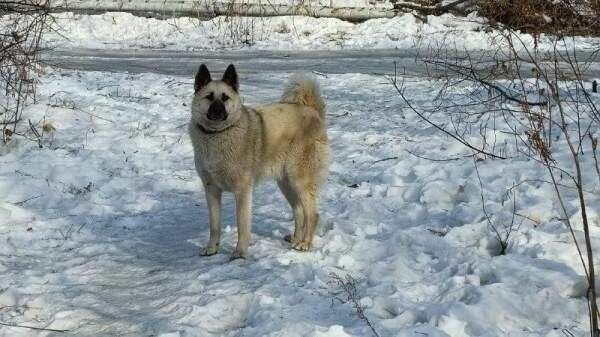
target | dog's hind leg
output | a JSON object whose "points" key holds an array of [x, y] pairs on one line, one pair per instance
{"points": [[308, 200], [213, 198], [292, 197]]}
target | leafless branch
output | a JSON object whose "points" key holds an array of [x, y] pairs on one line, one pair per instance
{"points": [[347, 285], [525, 103], [20, 47], [31, 327]]}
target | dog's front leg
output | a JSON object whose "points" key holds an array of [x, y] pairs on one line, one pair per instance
{"points": [[243, 205], [213, 198]]}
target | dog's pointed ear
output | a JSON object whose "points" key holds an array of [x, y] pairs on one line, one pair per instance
{"points": [[230, 77], [202, 78]]}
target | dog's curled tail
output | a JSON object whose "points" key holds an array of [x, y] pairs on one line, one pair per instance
{"points": [[304, 90]]}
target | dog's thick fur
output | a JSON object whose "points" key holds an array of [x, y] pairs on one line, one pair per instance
{"points": [[239, 146]]}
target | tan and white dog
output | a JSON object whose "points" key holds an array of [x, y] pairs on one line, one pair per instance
{"points": [[236, 146]]}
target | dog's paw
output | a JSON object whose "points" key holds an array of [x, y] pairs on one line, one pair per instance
{"points": [[291, 239], [208, 251], [302, 246], [237, 255]]}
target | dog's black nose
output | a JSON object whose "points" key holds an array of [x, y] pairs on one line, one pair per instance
{"points": [[217, 111]]}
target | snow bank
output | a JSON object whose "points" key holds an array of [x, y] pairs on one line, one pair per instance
{"points": [[122, 30]]}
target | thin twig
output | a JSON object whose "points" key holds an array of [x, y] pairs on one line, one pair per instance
{"points": [[19, 203], [502, 241], [348, 286], [31, 327], [439, 159], [385, 159]]}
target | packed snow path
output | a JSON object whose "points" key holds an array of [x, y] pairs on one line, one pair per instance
{"points": [[101, 228], [185, 63]]}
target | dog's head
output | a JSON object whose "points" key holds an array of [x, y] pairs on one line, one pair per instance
{"points": [[216, 104]]}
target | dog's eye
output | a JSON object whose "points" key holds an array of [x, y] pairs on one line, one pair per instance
{"points": [[210, 96], [224, 98]]}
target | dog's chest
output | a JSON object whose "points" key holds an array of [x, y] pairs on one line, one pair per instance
{"points": [[226, 177], [219, 160]]}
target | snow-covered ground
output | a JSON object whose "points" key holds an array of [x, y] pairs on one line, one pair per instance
{"points": [[122, 30], [102, 226]]}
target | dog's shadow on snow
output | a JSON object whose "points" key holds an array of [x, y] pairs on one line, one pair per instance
{"points": [[152, 261], [173, 232], [177, 227]]}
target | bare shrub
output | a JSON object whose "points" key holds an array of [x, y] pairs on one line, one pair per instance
{"points": [[533, 16], [233, 29], [543, 16], [526, 100], [22, 27], [502, 231], [347, 286]]}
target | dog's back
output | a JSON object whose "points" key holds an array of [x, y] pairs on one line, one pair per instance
{"points": [[294, 132]]}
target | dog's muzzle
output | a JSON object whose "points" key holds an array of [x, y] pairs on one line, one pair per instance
{"points": [[217, 111]]}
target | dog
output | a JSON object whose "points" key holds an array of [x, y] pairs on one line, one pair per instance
{"points": [[236, 147]]}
